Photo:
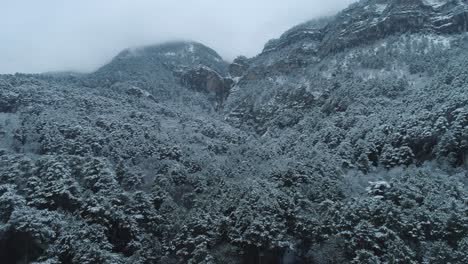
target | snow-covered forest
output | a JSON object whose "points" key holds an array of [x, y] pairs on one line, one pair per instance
{"points": [[344, 141]]}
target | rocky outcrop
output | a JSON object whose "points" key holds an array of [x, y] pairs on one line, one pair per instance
{"points": [[157, 64], [370, 20], [363, 23], [163, 72], [207, 80], [239, 66], [310, 33], [8, 98]]}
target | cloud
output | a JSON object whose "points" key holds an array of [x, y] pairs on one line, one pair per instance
{"points": [[56, 35]]}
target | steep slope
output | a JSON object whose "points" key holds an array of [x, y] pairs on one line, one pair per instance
{"points": [[166, 70], [367, 21], [363, 23], [76, 161], [372, 20], [374, 84], [152, 61]]}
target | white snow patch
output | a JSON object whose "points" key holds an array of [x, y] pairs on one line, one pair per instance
{"points": [[446, 17], [281, 80], [317, 94], [435, 3], [270, 49], [377, 189], [170, 54], [216, 59], [379, 184], [441, 40], [380, 234], [309, 46], [146, 93], [380, 8], [436, 41], [236, 80], [326, 74], [191, 48]]}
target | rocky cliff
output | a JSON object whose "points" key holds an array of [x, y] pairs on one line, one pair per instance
{"points": [[367, 21]]}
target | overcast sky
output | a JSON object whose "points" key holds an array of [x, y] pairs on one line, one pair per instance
{"points": [[55, 35]]}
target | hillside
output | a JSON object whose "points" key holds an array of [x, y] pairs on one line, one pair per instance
{"points": [[344, 141]]}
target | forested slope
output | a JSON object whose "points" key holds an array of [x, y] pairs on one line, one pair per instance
{"points": [[344, 141]]}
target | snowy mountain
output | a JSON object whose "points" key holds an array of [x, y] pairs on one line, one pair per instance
{"points": [[344, 141]]}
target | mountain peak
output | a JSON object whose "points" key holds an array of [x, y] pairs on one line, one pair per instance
{"points": [[149, 63], [169, 49]]}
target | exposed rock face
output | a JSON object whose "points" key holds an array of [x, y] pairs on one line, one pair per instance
{"points": [[306, 36], [370, 20], [166, 70], [300, 60], [208, 81], [376, 19], [239, 66], [307, 46], [8, 101], [172, 55]]}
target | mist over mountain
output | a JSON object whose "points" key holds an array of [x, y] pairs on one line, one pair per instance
{"points": [[53, 35], [344, 141]]}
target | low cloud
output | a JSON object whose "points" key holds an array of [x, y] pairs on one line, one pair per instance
{"points": [[57, 35]]}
